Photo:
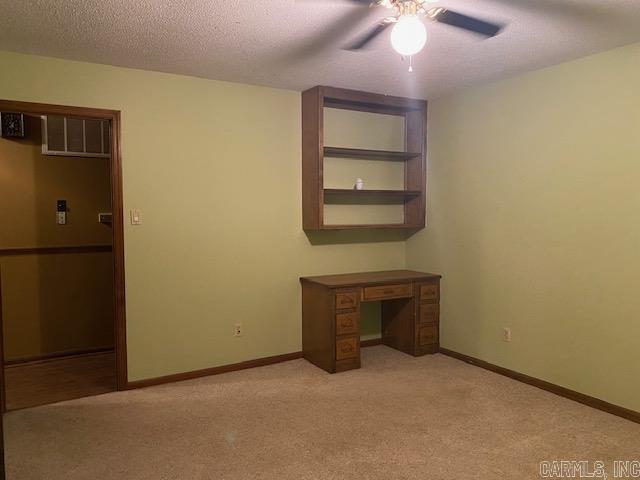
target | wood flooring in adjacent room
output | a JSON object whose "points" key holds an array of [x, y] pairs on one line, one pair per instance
{"points": [[398, 417], [55, 380]]}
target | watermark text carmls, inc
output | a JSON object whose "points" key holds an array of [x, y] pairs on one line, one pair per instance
{"points": [[589, 469]]}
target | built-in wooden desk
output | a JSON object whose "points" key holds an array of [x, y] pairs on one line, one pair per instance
{"points": [[331, 315]]}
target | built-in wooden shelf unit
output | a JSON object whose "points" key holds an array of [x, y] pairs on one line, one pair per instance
{"points": [[314, 151]]}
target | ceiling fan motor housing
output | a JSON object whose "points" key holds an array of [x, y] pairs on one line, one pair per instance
{"points": [[407, 11]]}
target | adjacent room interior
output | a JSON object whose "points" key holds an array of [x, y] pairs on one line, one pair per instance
{"points": [[314, 239], [56, 268]]}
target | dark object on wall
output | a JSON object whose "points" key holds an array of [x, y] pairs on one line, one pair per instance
{"points": [[61, 212], [105, 218], [12, 125]]}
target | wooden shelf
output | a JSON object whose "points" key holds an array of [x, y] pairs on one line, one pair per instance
{"points": [[412, 197], [359, 153], [372, 193], [365, 226]]}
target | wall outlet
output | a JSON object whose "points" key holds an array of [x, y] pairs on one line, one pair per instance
{"points": [[237, 330], [506, 334]]}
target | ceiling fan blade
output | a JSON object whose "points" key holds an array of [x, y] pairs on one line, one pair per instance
{"points": [[364, 40], [574, 9], [465, 22]]}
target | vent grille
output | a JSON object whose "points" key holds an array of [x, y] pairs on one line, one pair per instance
{"points": [[79, 137]]}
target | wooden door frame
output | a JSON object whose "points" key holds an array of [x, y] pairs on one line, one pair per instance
{"points": [[119, 321], [2, 399]]}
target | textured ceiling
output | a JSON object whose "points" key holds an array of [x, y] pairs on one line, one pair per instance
{"points": [[296, 43]]}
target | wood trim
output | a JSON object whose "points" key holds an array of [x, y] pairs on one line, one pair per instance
{"points": [[52, 109], [118, 215], [47, 357], [370, 343], [549, 387], [312, 139], [205, 372], [117, 206], [3, 400], [10, 252]]}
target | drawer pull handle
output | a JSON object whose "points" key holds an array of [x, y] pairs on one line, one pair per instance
{"points": [[346, 348], [345, 323], [387, 292]]}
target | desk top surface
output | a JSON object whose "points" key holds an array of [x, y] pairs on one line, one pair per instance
{"points": [[369, 278]]}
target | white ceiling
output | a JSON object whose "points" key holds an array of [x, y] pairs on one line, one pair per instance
{"points": [[296, 44]]}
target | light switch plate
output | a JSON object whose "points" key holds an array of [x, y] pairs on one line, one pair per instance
{"points": [[136, 217]]}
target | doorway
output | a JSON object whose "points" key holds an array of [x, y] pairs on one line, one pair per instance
{"points": [[62, 291]]}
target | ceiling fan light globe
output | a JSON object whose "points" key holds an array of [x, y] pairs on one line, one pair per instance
{"points": [[409, 35]]}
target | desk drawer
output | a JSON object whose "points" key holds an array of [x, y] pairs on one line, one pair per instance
{"points": [[346, 300], [428, 335], [430, 291], [429, 313], [347, 323], [388, 291], [347, 348]]}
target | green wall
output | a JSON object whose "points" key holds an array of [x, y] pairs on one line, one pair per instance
{"points": [[215, 169], [531, 217], [533, 220]]}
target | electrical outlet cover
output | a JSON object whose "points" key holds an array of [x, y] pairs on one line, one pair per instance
{"points": [[506, 334]]}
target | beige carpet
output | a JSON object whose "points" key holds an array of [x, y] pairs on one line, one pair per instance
{"points": [[398, 417]]}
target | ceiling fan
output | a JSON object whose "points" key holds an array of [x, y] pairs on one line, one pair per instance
{"points": [[409, 34]]}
